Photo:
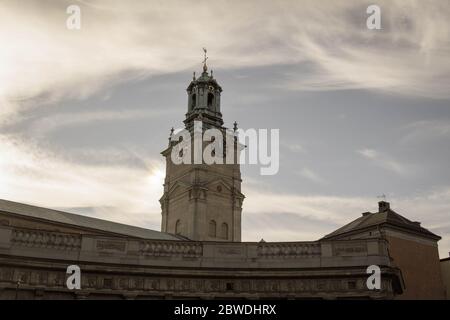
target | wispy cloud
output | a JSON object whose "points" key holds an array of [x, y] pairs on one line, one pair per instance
{"points": [[315, 207], [426, 130], [368, 153], [312, 216], [294, 147], [130, 193], [45, 125], [385, 161], [43, 59], [312, 176]]}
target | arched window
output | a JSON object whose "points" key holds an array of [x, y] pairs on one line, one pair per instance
{"points": [[178, 227], [194, 101], [212, 229], [224, 231], [210, 99]]}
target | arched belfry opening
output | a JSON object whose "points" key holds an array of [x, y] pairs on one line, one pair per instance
{"points": [[210, 100], [193, 101]]}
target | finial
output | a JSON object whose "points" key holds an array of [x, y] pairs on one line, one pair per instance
{"points": [[205, 68], [235, 126], [193, 76], [171, 134]]}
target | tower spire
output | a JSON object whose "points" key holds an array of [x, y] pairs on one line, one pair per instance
{"points": [[205, 67]]}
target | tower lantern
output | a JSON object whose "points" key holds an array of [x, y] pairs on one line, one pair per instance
{"points": [[204, 98]]}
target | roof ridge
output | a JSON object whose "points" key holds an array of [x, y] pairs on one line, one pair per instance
{"points": [[80, 220], [388, 216]]}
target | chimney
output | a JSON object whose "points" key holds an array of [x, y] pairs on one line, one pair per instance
{"points": [[383, 206]]}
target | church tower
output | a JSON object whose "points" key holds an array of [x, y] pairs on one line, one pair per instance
{"points": [[203, 202]]}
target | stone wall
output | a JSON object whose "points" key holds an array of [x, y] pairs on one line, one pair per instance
{"points": [[33, 266]]}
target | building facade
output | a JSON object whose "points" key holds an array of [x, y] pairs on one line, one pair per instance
{"points": [[412, 248], [37, 246], [445, 269]]}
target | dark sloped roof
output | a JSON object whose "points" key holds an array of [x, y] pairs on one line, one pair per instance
{"points": [[387, 217], [76, 220]]}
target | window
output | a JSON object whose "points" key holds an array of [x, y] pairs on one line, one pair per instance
{"points": [[194, 101], [210, 99], [224, 231], [178, 227], [212, 228]]}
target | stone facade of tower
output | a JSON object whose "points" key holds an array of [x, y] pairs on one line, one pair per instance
{"points": [[202, 201]]}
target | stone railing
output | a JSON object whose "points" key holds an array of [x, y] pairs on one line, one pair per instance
{"points": [[289, 250], [44, 239], [171, 248]]}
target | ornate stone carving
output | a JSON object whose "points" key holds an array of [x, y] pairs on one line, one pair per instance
{"points": [[124, 283], [6, 274], [350, 249], [152, 284], [229, 250], [92, 282], [42, 239], [197, 286], [57, 279], [108, 283], [165, 249], [108, 245], [289, 250]]}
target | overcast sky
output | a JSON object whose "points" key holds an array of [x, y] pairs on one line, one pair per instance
{"points": [[85, 113]]}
